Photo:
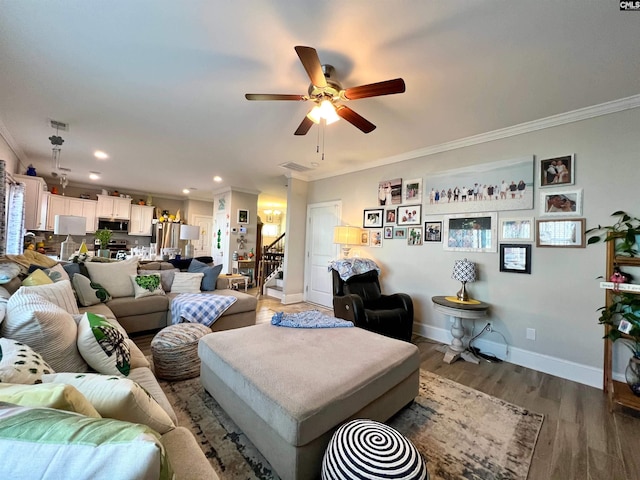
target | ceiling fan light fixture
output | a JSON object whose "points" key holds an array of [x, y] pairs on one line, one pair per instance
{"points": [[325, 110]]}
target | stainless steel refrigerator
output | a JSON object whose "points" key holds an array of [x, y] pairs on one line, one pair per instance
{"points": [[166, 235]]}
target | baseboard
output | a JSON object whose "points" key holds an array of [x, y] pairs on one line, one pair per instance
{"points": [[536, 361], [290, 298]]}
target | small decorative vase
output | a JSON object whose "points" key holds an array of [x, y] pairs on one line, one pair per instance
{"points": [[632, 375]]}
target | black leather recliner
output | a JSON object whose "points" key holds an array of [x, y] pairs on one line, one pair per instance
{"points": [[360, 300]]}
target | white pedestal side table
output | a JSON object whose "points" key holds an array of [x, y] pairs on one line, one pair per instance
{"points": [[458, 310]]}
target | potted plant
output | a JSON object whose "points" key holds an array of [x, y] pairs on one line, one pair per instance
{"points": [[103, 237], [626, 232], [622, 316]]}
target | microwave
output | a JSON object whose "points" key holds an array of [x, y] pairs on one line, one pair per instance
{"points": [[114, 225]]}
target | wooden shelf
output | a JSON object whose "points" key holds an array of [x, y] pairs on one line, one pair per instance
{"points": [[622, 395], [627, 261]]}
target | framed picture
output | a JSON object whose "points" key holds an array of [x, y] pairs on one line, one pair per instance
{"points": [[375, 237], [557, 171], [412, 191], [516, 229], [432, 231], [414, 236], [390, 215], [364, 238], [490, 186], [373, 218], [390, 192], [243, 216], [409, 215], [515, 258], [567, 233], [388, 232], [561, 203], [400, 232], [472, 232]]}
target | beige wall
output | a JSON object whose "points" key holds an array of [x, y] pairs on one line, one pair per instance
{"points": [[295, 241], [10, 158]]}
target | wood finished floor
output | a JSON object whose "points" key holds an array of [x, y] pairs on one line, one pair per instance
{"points": [[579, 439]]}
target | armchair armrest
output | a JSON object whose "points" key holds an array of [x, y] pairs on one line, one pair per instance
{"points": [[349, 307], [398, 300]]}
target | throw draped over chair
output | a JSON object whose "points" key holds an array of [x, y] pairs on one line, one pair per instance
{"points": [[360, 300]]}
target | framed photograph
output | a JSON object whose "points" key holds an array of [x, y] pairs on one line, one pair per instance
{"points": [[390, 192], [472, 232], [516, 229], [373, 218], [243, 216], [375, 237], [432, 231], [364, 238], [390, 215], [557, 171], [561, 203], [414, 235], [412, 191], [400, 232], [515, 258], [567, 233], [409, 215], [388, 232]]}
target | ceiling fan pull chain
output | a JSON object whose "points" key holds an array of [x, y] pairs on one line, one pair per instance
{"points": [[324, 124]]}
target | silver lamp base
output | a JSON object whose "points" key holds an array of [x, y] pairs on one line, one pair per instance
{"points": [[462, 293], [188, 250]]}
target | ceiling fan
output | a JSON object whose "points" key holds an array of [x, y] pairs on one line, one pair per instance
{"points": [[327, 94]]}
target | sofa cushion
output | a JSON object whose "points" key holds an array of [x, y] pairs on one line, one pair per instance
{"points": [[45, 327], [50, 395], [103, 346], [20, 364], [117, 397], [129, 306], [146, 285], [157, 266], [211, 274], [57, 444], [57, 273], [114, 276], [184, 282], [88, 292], [244, 302], [59, 293]]}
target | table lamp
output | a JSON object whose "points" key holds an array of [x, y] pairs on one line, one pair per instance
{"points": [[188, 233], [464, 271], [69, 225], [346, 236]]}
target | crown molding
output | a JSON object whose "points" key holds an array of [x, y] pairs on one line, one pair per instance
{"points": [[13, 145], [520, 129]]}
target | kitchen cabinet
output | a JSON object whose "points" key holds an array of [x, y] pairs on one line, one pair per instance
{"points": [[35, 187], [61, 205], [141, 221], [113, 207]]}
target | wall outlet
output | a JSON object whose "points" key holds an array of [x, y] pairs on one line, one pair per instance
{"points": [[531, 333]]}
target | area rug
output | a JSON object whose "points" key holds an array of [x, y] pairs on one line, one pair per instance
{"points": [[462, 433]]}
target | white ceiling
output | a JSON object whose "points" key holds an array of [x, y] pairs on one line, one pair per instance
{"points": [[159, 84]]}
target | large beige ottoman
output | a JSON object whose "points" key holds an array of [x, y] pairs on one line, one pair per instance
{"points": [[288, 389]]}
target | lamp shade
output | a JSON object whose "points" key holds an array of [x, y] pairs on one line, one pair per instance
{"points": [[345, 235], [464, 271], [69, 225], [189, 232]]}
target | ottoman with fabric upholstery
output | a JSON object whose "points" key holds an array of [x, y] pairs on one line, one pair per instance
{"points": [[288, 389], [175, 351]]}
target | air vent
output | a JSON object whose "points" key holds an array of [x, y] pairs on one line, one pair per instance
{"points": [[295, 166], [59, 125]]}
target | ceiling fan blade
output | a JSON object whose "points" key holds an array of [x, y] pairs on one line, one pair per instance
{"points": [[304, 126], [272, 96], [387, 87], [356, 120], [311, 63]]}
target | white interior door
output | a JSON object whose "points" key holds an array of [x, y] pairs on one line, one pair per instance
{"points": [[321, 219], [202, 246]]}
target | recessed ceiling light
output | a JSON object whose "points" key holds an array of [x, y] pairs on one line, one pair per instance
{"points": [[217, 179], [185, 190], [100, 154], [94, 175]]}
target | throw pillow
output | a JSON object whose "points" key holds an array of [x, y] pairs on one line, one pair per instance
{"points": [[147, 285], [114, 276], [57, 273], [68, 445], [88, 292], [166, 276], [59, 293], [117, 397], [50, 395], [102, 345], [8, 271], [45, 327], [185, 282], [210, 274], [20, 364], [4, 298], [37, 277]]}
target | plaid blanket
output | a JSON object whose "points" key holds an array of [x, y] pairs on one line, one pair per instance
{"points": [[199, 308], [308, 319]]}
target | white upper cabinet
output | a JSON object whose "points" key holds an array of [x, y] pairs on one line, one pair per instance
{"points": [[141, 222], [113, 207]]}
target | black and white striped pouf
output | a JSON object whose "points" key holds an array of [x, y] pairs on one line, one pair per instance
{"points": [[366, 449]]}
